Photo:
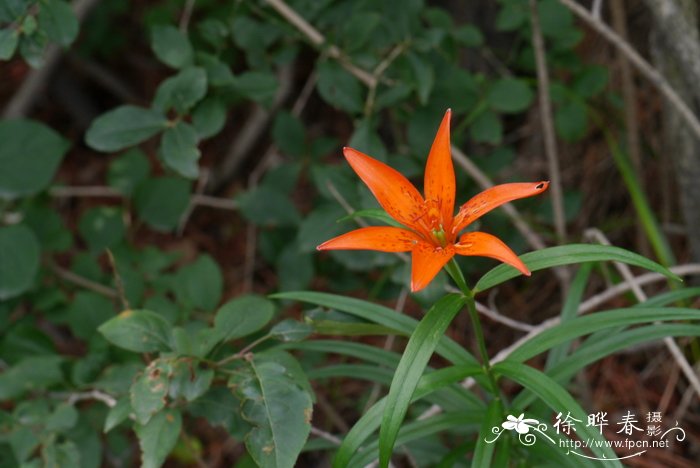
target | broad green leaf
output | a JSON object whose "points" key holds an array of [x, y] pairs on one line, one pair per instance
{"points": [[189, 381], [19, 260], [201, 283], [32, 47], [403, 324], [29, 156], [558, 399], [571, 121], [30, 374], [279, 410], [171, 46], [266, 206], [87, 311], [469, 36], [128, 170], [338, 87], [117, 414], [161, 201], [555, 19], [242, 316], [290, 330], [295, 269], [102, 227], [370, 421], [487, 128], [419, 349], [157, 438], [59, 454], [63, 418], [209, 117], [510, 95], [569, 255], [319, 225], [424, 77], [149, 391], [182, 91], [141, 331], [591, 81], [9, 38], [257, 85], [288, 134], [178, 149], [58, 22], [123, 127], [511, 16], [580, 326]]}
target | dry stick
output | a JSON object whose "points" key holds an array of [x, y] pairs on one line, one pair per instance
{"points": [[670, 342], [201, 185], [318, 40], [118, 281], [550, 143], [109, 192], [494, 315], [186, 15], [78, 280], [656, 78], [23, 100], [326, 435]]}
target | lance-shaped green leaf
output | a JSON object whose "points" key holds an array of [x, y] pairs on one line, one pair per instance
{"points": [[123, 127], [568, 255], [278, 408], [419, 349]]}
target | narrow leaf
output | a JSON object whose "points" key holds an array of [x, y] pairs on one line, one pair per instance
{"points": [[568, 255], [419, 349]]}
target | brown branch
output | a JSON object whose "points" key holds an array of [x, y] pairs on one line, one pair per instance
{"points": [[550, 143]]}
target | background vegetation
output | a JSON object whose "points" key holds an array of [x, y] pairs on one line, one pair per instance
{"points": [[164, 166]]}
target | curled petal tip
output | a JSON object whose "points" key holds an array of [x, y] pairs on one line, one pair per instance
{"points": [[542, 185]]}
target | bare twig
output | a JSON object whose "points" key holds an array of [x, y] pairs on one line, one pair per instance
{"points": [[121, 294], [25, 98], [649, 72], [186, 15], [73, 398], [318, 40], [201, 185], [670, 343], [78, 280], [550, 143], [98, 191], [326, 436]]}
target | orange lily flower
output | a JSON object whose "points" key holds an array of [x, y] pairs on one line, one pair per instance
{"points": [[432, 234]]}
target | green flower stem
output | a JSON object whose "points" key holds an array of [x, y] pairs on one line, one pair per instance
{"points": [[454, 271]]}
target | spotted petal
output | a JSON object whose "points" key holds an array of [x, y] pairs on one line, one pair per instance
{"points": [[439, 184], [381, 238], [392, 190], [426, 262], [480, 244], [492, 198]]}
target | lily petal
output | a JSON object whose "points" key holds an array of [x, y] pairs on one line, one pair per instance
{"points": [[439, 183], [392, 190], [426, 262], [381, 238], [492, 198], [480, 244]]}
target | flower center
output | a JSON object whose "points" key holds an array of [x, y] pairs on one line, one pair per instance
{"points": [[440, 237]]}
